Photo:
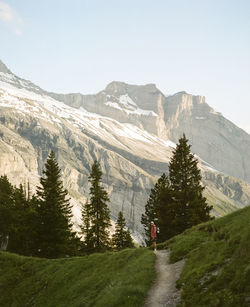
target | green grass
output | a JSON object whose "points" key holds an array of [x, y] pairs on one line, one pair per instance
{"points": [[216, 271], [109, 279], [217, 268]]}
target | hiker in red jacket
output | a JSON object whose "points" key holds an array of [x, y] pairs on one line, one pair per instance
{"points": [[153, 234]]}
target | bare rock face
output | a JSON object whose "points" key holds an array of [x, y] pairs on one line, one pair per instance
{"points": [[4, 68], [129, 129], [18, 158], [214, 138]]}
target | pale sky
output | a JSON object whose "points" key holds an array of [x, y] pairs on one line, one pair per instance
{"points": [[198, 46]]}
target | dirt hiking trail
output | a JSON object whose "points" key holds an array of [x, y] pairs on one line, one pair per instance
{"points": [[164, 292]]}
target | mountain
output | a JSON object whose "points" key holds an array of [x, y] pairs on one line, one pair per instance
{"points": [[214, 138], [131, 130]]}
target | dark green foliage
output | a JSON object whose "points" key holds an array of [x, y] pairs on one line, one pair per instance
{"points": [[111, 279], [22, 235], [17, 216], [99, 211], [177, 203], [6, 211], [151, 213], [185, 181], [121, 238], [54, 234], [168, 216], [86, 226]]}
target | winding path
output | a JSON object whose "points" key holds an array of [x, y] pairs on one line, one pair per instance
{"points": [[164, 292]]}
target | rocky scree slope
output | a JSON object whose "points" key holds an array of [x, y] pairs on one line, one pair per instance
{"points": [[129, 142]]}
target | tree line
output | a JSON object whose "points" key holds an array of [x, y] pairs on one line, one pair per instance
{"points": [[40, 224]]}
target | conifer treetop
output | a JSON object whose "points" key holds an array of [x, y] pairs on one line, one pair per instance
{"points": [[183, 168]]}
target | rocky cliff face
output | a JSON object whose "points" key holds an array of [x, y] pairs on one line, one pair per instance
{"points": [[214, 138], [127, 128]]}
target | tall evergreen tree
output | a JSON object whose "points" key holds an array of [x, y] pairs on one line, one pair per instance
{"points": [[177, 203], [86, 225], [54, 228], [151, 213], [185, 177], [121, 238], [99, 211], [6, 211], [166, 211]]}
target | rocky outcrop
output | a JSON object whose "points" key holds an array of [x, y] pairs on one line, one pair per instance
{"points": [[4, 69], [18, 158]]}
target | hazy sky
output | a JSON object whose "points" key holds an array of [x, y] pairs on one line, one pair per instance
{"points": [[199, 46]]}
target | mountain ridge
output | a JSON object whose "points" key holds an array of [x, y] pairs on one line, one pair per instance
{"points": [[111, 86], [120, 129], [176, 114]]}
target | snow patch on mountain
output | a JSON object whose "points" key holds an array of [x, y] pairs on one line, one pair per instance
{"points": [[53, 111], [24, 100], [169, 144], [114, 105], [126, 104], [18, 82], [127, 101]]}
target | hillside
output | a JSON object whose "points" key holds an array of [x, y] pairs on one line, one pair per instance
{"points": [[216, 271], [110, 279], [217, 267]]}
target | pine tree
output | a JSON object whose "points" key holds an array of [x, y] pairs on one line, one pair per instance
{"points": [[185, 177], [54, 228], [151, 207], [22, 236], [99, 211], [86, 225], [6, 211], [166, 211], [121, 238]]}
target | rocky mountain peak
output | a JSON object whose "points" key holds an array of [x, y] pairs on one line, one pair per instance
{"points": [[151, 87], [116, 86], [4, 68], [122, 88]]}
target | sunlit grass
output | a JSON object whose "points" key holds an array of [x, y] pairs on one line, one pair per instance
{"points": [[109, 279], [217, 268]]}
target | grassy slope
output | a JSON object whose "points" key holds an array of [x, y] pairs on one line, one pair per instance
{"points": [[217, 270], [110, 279]]}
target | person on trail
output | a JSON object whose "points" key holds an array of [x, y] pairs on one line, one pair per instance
{"points": [[153, 234]]}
